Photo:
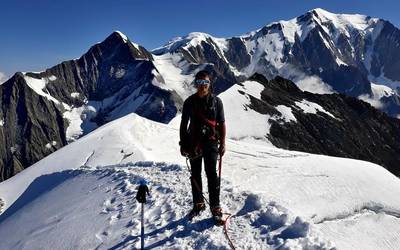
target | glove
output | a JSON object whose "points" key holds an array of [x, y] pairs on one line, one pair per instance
{"points": [[184, 150], [221, 149]]}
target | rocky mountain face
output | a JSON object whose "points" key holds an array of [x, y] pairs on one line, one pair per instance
{"points": [[41, 112], [32, 127], [329, 124]]}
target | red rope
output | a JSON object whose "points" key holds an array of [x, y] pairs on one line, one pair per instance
{"points": [[226, 231], [229, 215]]}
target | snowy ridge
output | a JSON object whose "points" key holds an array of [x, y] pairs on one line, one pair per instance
{"points": [[279, 198], [193, 39]]}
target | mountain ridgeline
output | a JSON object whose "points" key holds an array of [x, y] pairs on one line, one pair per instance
{"points": [[347, 56]]}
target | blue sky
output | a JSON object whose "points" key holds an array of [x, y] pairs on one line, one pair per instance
{"points": [[37, 34]]}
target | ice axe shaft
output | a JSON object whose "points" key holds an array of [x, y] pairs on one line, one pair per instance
{"points": [[143, 190], [142, 229]]}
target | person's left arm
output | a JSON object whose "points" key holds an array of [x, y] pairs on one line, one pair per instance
{"points": [[221, 126]]}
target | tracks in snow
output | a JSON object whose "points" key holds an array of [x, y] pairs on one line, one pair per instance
{"points": [[254, 222]]}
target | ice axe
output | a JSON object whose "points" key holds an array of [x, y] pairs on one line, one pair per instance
{"points": [[143, 190]]}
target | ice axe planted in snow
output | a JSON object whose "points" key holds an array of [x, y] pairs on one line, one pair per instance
{"points": [[143, 190]]}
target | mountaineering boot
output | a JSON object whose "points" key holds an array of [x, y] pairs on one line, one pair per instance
{"points": [[217, 215], [197, 209]]}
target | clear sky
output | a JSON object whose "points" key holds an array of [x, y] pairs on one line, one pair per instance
{"points": [[37, 34]]}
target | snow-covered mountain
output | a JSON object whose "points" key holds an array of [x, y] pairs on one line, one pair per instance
{"points": [[321, 52], [83, 195]]}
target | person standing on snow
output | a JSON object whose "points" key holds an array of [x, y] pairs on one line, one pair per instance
{"points": [[202, 137]]}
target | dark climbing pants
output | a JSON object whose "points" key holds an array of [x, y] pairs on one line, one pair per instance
{"points": [[210, 157]]}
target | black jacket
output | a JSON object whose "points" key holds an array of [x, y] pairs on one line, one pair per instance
{"points": [[197, 115]]}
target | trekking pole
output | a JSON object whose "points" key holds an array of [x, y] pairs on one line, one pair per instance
{"points": [[141, 198], [220, 172]]}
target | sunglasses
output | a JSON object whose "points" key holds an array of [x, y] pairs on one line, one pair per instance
{"points": [[201, 82]]}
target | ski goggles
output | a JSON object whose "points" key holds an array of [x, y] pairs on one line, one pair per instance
{"points": [[201, 82]]}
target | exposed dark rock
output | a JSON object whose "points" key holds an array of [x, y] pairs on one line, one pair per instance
{"points": [[358, 130], [30, 123]]}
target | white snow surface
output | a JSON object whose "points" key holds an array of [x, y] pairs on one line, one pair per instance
{"points": [[75, 95], [244, 122], [123, 36], [378, 92], [79, 120], [39, 86], [312, 108], [83, 196], [172, 74], [287, 113]]}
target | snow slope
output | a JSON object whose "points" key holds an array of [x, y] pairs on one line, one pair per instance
{"points": [[82, 197]]}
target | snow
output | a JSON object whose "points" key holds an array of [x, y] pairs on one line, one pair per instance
{"points": [[39, 86], [75, 95], [126, 39], [122, 35], [383, 80], [378, 92], [373, 32], [286, 112], [292, 27], [1, 122], [79, 121], [51, 144], [312, 108], [82, 196], [196, 38], [193, 39], [360, 22], [172, 71], [52, 78], [244, 122], [269, 48]]}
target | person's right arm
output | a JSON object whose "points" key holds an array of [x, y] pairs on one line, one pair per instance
{"points": [[183, 133]]}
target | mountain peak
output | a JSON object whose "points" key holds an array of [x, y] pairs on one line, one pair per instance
{"points": [[191, 39], [357, 21], [320, 11], [120, 34], [116, 37]]}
